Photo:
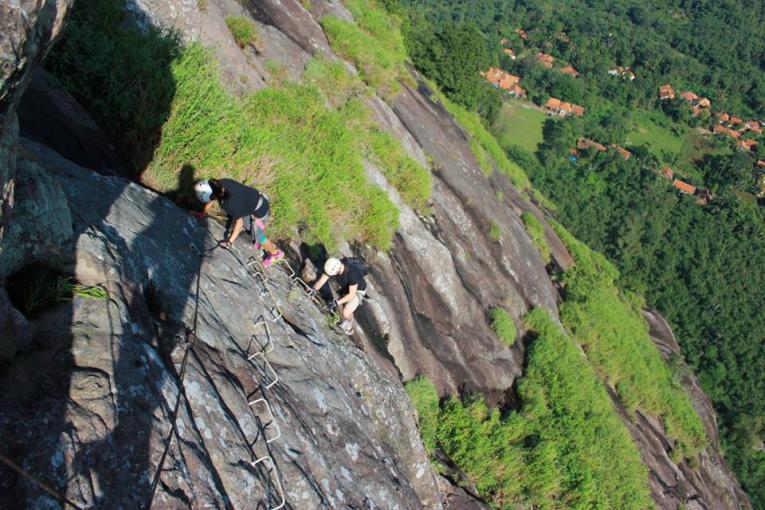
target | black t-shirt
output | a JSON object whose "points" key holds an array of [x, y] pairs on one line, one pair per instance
{"points": [[352, 276], [241, 200]]}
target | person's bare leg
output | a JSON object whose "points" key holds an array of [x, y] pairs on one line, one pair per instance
{"points": [[270, 247]]}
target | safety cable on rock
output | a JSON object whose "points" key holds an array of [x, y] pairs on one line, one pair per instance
{"points": [[61, 498], [189, 346]]}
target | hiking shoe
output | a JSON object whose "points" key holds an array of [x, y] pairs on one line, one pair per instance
{"points": [[347, 327], [272, 258]]}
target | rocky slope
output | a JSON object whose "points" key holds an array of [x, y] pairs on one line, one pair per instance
{"points": [[87, 402]]}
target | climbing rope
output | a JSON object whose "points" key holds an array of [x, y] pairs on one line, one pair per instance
{"points": [[189, 346], [61, 498]]}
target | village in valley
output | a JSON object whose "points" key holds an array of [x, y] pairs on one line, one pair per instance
{"points": [[745, 134]]}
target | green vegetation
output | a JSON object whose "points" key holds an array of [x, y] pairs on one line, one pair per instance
{"points": [[423, 395], [661, 140], [119, 72], [316, 180], [373, 44], [565, 448], [503, 325], [616, 340], [519, 123], [536, 231], [37, 287], [403, 172], [484, 145], [495, 231], [243, 29], [699, 266]]}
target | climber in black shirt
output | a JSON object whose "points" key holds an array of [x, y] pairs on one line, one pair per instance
{"points": [[246, 208], [352, 283]]}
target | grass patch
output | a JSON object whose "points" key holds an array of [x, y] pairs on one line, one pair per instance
{"points": [[283, 140], [519, 124], [536, 231], [565, 448], [423, 395], [373, 43], [503, 325], [120, 72], [495, 231], [243, 30], [410, 178], [661, 141], [610, 328]]}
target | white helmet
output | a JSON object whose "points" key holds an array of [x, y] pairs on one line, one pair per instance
{"points": [[204, 191], [333, 266]]}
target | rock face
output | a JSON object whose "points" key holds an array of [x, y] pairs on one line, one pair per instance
{"points": [[103, 382], [94, 392]]}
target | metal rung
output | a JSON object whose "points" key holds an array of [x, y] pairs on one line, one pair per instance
{"points": [[272, 419], [277, 476], [268, 366]]}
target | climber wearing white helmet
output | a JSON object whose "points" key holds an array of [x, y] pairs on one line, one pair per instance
{"points": [[247, 209], [352, 283]]}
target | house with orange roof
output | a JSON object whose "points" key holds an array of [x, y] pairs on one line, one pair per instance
{"points": [[555, 106], [509, 52], [689, 96], [704, 102], [722, 117], [666, 92], [747, 145], [753, 126], [667, 172], [522, 33], [569, 70], [545, 59], [502, 79], [622, 152], [684, 187], [735, 120], [517, 91], [586, 143], [722, 130], [577, 110]]}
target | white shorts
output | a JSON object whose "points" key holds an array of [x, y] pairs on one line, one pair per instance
{"points": [[356, 301]]}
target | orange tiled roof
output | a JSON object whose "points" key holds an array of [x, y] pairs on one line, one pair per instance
{"points": [[753, 125], [545, 59], [668, 173], [666, 91], [724, 117], [586, 143], [735, 120], [704, 102], [553, 103], [747, 144], [622, 152], [521, 33], [577, 110], [569, 70], [509, 52], [684, 186], [688, 95], [726, 131]]}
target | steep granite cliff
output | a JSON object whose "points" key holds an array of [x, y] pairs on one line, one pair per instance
{"points": [[91, 387]]}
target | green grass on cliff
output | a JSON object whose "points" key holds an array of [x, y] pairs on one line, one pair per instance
{"points": [[281, 139], [564, 448], [373, 43], [615, 336]]}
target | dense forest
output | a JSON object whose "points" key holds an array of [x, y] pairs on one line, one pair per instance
{"points": [[701, 266]]}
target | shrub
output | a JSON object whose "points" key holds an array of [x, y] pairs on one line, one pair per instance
{"points": [[495, 231], [503, 325], [243, 29], [536, 231]]}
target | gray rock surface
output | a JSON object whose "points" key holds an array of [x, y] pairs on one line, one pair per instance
{"points": [[102, 381]]}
